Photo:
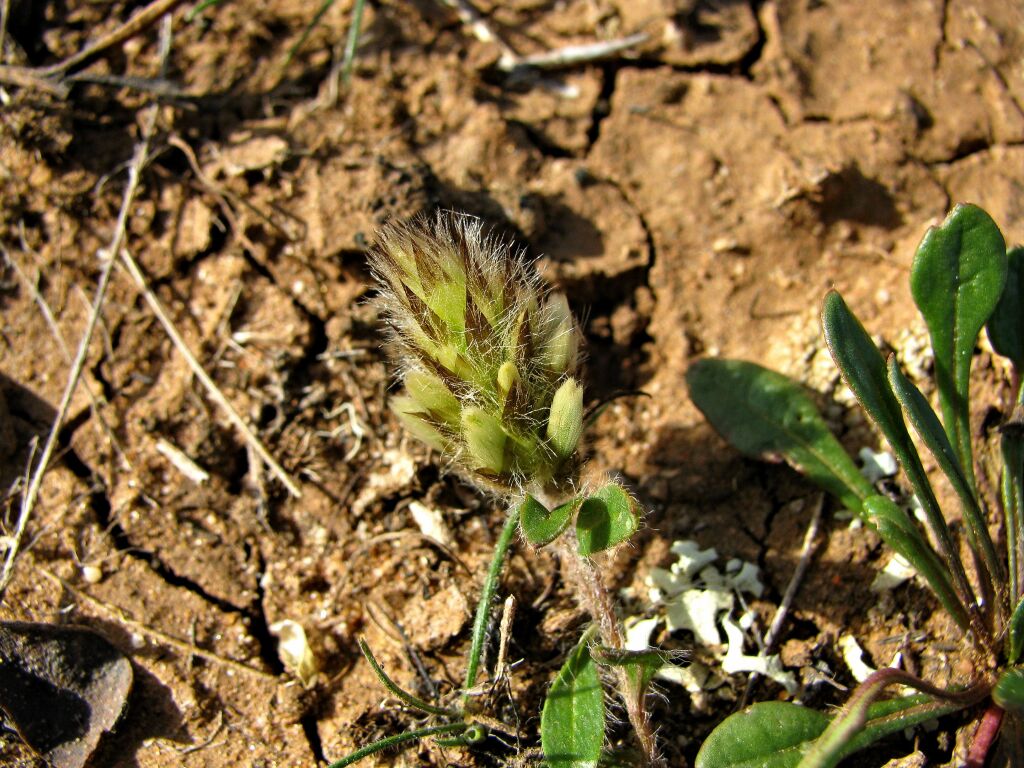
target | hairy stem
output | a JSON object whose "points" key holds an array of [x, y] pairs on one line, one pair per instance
{"points": [[592, 594]]}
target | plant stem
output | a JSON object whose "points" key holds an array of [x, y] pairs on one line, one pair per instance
{"points": [[483, 608], [353, 41], [396, 740], [593, 595], [827, 749]]}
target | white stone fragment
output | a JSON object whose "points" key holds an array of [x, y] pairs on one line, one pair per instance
{"points": [[853, 655], [736, 661], [877, 465], [691, 558], [895, 572], [697, 610], [431, 523]]}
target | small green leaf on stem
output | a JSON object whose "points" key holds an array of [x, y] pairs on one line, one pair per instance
{"points": [[956, 279], [642, 666], [542, 526], [572, 722], [606, 518], [766, 415]]}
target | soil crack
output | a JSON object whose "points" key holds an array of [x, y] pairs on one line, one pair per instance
{"points": [[603, 105], [100, 504]]}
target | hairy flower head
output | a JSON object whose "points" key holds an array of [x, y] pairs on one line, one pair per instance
{"points": [[487, 356]]}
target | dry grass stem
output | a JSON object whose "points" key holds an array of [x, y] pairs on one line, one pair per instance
{"points": [[571, 55], [31, 494], [103, 428], [208, 383], [144, 18]]}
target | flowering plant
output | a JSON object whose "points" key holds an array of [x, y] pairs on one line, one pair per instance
{"points": [[490, 364]]}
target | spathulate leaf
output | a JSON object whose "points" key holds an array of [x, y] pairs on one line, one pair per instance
{"points": [[771, 734], [1008, 692], [956, 279], [1006, 326], [776, 734], [606, 518], [927, 426], [865, 373], [572, 722], [542, 526], [765, 415]]}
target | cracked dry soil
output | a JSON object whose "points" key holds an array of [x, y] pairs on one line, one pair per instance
{"points": [[695, 196]]}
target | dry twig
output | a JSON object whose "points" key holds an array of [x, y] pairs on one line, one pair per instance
{"points": [[810, 543], [556, 58], [56, 78], [103, 428], [208, 383], [28, 500]]}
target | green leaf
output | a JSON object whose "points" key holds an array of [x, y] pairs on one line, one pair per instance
{"points": [[927, 425], [1006, 326], [541, 526], [864, 372], [606, 518], [642, 666], [775, 734], [572, 722], [902, 535], [771, 734], [1008, 692], [766, 415], [401, 693], [956, 279]]}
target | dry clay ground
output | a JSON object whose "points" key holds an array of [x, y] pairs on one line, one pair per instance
{"points": [[696, 195]]}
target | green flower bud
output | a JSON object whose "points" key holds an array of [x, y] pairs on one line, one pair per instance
{"points": [[560, 342], [485, 440], [565, 421], [508, 375], [485, 353]]}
